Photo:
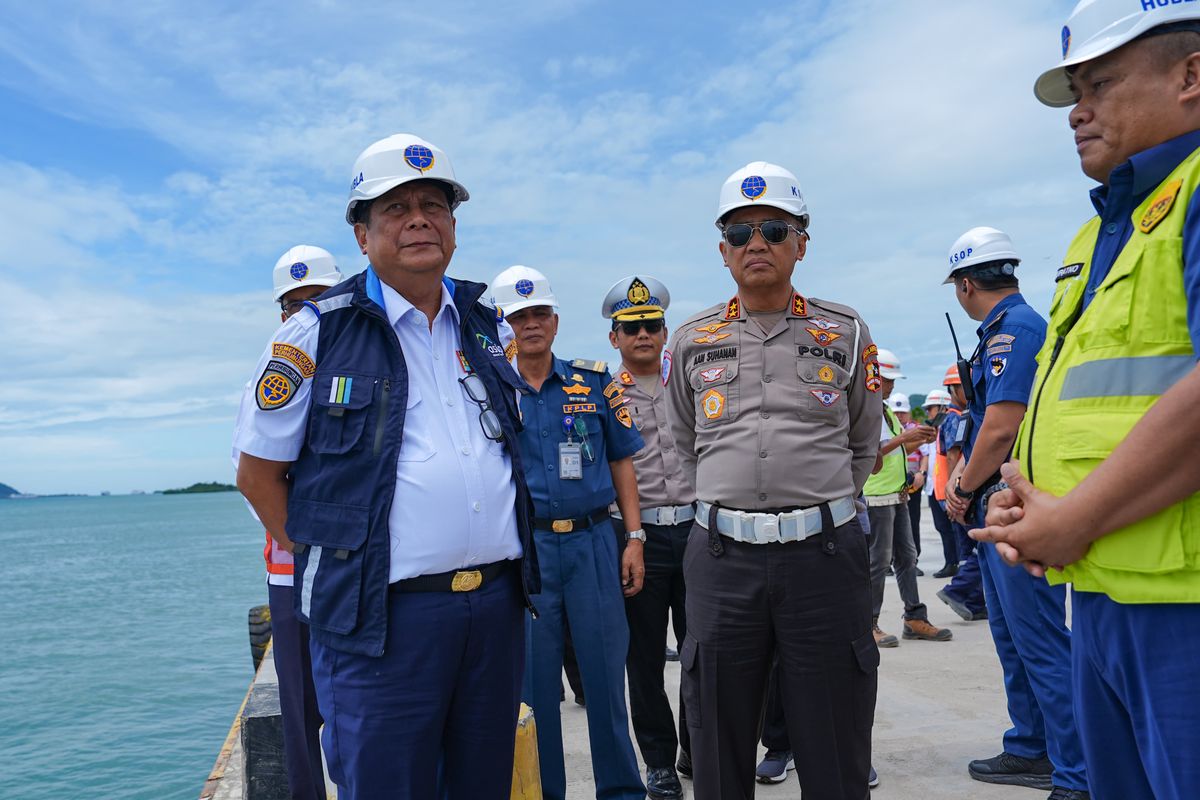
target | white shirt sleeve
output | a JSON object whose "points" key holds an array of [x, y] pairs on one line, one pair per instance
{"points": [[274, 408]]}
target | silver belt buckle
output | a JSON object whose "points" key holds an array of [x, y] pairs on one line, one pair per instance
{"points": [[769, 531]]}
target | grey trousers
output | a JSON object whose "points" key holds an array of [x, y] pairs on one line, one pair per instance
{"points": [[891, 537], [806, 604]]}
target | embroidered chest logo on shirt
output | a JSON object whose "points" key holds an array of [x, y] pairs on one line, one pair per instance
{"points": [[825, 324], [1069, 271], [712, 338], [578, 388], [825, 397], [823, 337], [712, 374], [713, 328], [486, 343], [713, 404], [579, 408], [1161, 206], [825, 374]]}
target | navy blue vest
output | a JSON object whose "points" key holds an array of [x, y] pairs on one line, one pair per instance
{"points": [[344, 478]]}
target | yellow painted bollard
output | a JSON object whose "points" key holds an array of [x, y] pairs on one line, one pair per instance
{"points": [[527, 773]]}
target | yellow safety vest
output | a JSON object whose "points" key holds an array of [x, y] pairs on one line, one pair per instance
{"points": [[1098, 373], [890, 479]]}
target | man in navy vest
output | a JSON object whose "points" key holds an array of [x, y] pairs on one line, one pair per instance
{"points": [[381, 449]]}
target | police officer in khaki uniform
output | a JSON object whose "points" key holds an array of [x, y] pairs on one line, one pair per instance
{"points": [[775, 409], [636, 306]]}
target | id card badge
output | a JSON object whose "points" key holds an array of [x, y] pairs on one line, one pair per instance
{"points": [[570, 461]]}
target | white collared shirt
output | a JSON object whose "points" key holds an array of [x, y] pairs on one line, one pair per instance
{"points": [[454, 504]]}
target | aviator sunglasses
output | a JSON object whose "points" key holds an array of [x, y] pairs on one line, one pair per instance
{"points": [[773, 231], [652, 326]]}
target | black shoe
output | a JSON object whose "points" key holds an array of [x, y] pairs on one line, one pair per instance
{"points": [[960, 608], [1063, 793], [663, 784], [948, 571], [1013, 771], [579, 701], [920, 572], [684, 764], [672, 654]]}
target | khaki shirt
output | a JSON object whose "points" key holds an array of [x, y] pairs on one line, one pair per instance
{"points": [[779, 420], [659, 474]]}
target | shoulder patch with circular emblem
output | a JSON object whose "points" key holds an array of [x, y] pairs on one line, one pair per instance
{"points": [[277, 385]]}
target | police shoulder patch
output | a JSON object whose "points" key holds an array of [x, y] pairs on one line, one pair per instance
{"points": [[590, 366]]}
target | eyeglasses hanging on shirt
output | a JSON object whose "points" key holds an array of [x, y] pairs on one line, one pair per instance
{"points": [[488, 420]]}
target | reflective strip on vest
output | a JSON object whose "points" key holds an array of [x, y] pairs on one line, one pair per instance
{"points": [[335, 302], [310, 575], [1145, 376]]}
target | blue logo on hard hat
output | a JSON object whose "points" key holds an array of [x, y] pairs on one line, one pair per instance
{"points": [[524, 287], [298, 271], [754, 187], [1066, 40], [419, 157]]}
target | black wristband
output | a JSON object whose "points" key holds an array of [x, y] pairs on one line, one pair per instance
{"points": [[961, 492]]}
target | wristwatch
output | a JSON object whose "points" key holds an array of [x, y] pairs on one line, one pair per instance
{"points": [[639, 534], [961, 492]]}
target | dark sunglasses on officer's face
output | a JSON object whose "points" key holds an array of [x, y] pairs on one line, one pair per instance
{"points": [[773, 231], [652, 326]]}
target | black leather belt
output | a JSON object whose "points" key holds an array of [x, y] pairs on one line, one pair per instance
{"points": [[459, 580], [573, 524]]}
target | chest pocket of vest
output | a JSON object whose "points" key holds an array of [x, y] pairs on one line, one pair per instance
{"points": [[341, 406], [822, 400], [715, 391]]}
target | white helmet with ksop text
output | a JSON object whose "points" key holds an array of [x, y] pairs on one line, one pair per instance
{"points": [[519, 287], [889, 365], [305, 265], [1097, 27], [980, 246], [398, 159], [762, 184]]}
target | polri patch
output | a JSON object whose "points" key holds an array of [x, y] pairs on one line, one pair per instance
{"points": [[823, 352], [1069, 271], [289, 352], [1161, 206]]}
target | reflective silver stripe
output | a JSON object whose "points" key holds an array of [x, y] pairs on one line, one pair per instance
{"points": [[310, 575], [1147, 376], [334, 303]]}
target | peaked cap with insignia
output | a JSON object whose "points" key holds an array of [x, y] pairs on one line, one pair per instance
{"points": [[636, 297]]}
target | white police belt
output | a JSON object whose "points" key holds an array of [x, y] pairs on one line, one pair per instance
{"points": [[791, 526], [665, 515]]}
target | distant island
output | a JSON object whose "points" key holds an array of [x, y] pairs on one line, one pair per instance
{"points": [[7, 491], [203, 488]]}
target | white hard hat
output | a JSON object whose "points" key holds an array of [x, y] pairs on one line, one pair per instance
{"points": [[982, 246], [937, 397], [635, 298], [1097, 27], [889, 365], [762, 184], [398, 159], [521, 287], [898, 403], [305, 265]]}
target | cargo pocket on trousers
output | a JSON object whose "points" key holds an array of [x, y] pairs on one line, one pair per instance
{"points": [[866, 653], [689, 679]]}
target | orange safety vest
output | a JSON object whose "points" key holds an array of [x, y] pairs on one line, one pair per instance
{"points": [[279, 561], [941, 465]]}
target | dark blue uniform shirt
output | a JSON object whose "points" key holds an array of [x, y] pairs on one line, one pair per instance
{"points": [[1129, 185], [1005, 362], [584, 395]]}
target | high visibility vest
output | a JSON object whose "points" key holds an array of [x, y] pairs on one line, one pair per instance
{"points": [[890, 479], [941, 466], [1098, 373]]}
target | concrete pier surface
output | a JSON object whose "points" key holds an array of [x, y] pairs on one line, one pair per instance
{"points": [[940, 705]]}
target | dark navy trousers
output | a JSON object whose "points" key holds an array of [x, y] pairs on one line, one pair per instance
{"points": [[444, 697], [1028, 621], [297, 698], [1137, 697], [967, 585], [580, 582]]}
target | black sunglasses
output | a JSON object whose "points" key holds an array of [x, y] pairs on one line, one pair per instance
{"points": [[652, 326], [773, 231]]}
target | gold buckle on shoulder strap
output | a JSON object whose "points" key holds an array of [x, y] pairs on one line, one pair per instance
{"points": [[562, 525], [466, 581]]}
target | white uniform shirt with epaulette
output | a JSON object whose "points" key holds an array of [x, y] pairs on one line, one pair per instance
{"points": [[775, 420], [455, 500]]}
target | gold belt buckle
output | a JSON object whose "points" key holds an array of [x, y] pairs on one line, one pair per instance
{"points": [[466, 581], [562, 525]]}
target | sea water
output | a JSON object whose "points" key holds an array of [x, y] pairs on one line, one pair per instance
{"points": [[124, 652]]}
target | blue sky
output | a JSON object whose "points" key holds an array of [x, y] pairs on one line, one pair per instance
{"points": [[155, 160]]}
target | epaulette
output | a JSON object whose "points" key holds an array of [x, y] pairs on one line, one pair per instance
{"points": [[700, 316], [590, 366], [836, 308]]}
